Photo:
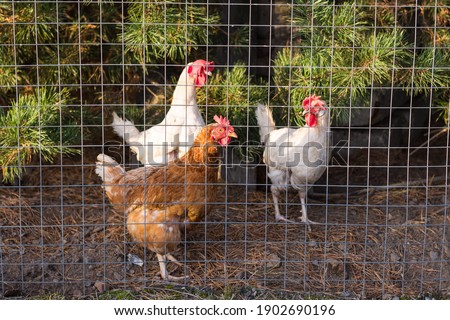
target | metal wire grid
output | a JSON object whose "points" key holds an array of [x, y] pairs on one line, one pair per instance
{"points": [[88, 249]]}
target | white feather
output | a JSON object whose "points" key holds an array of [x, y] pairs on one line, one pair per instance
{"points": [[265, 121], [295, 157], [107, 168], [171, 138]]}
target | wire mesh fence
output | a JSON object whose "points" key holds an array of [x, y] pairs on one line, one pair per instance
{"points": [[337, 112]]}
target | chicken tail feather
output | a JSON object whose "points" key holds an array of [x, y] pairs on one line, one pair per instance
{"points": [[108, 169], [265, 121], [124, 128]]}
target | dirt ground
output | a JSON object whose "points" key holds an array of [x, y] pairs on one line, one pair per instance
{"points": [[384, 232]]}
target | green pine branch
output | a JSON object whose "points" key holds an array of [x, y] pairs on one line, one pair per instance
{"points": [[158, 30], [30, 128], [340, 53]]}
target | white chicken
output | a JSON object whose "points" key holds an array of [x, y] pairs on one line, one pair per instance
{"points": [[295, 157], [172, 138]]}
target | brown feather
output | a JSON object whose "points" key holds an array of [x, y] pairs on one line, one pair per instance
{"points": [[159, 200]]}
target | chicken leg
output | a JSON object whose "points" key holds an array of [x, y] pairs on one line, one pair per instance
{"points": [[162, 266], [304, 217], [278, 215]]}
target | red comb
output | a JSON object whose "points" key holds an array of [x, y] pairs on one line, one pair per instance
{"points": [[313, 104], [313, 101], [209, 65], [222, 120]]}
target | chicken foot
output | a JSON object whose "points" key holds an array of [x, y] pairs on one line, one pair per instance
{"points": [[278, 215], [172, 258], [304, 217], [162, 266]]}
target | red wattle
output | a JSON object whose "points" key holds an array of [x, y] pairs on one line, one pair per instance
{"points": [[310, 120]]}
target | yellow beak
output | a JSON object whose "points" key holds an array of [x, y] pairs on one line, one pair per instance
{"points": [[232, 134]]}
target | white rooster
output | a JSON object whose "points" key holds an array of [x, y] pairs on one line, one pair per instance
{"points": [[172, 138], [295, 157]]}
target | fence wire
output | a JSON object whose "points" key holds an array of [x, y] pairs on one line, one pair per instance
{"points": [[73, 71]]}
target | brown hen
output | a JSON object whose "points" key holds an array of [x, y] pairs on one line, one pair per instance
{"points": [[159, 201]]}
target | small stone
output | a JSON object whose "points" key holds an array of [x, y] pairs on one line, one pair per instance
{"points": [[100, 286], [434, 255], [133, 259], [347, 294], [77, 293], [315, 263], [312, 243], [333, 262], [395, 298], [394, 257], [88, 283], [273, 261], [118, 276], [88, 260]]}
